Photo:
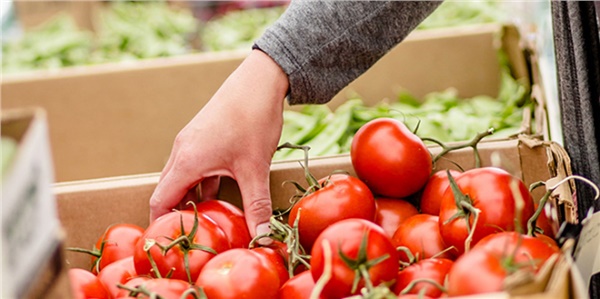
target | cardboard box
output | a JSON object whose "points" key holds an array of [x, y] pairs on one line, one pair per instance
{"points": [[121, 119], [87, 207], [30, 225]]}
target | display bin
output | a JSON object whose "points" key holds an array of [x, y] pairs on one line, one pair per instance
{"points": [[86, 208], [121, 119]]}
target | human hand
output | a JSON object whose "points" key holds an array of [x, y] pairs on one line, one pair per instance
{"points": [[235, 134]]}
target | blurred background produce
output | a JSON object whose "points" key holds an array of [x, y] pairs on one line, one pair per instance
{"points": [[130, 30]]}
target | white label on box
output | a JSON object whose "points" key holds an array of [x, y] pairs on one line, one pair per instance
{"points": [[587, 253], [29, 218]]}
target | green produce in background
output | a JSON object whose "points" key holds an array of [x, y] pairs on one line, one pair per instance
{"points": [[443, 116], [238, 29], [454, 13], [132, 31], [56, 44], [128, 30]]}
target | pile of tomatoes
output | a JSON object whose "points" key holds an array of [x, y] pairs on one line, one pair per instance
{"points": [[398, 228]]}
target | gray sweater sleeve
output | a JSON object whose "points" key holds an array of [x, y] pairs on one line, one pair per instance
{"points": [[324, 45]]}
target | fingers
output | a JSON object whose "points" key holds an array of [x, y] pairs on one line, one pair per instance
{"points": [[172, 188], [257, 203]]}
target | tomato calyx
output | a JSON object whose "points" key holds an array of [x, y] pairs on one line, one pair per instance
{"points": [[471, 143], [313, 183], [361, 264], [184, 242], [282, 232], [465, 208]]}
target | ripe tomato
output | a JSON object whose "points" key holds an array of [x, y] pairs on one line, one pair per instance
{"points": [[116, 273], [167, 228], [84, 284], [341, 197], [545, 223], [433, 191], [165, 288], [476, 272], [239, 273], [489, 190], [116, 243], [390, 159], [354, 244], [133, 283], [277, 261], [390, 212], [526, 251], [229, 217], [298, 287], [434, 270], [421, 235]]}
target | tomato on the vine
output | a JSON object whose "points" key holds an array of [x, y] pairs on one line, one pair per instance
{"points": [[356, 253], [425, 277], [239, 273], [229, 217], [298, 287], [277, 260], [390, 159], [165, 245], [116, 243], [435, 187], [490, 193], [391, 211], [339, 196], [116, 273], [166, 288], [525, 251], [420, 234], [84, 284]]}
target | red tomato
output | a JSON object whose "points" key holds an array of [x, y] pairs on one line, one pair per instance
{"points": [[433, 191], [527, 251], [84, 285], [277, 260], [545, 223], [167, 228], [390, 159], [489, 190], [391, 211], [476, 272], [239, 273], [298, 287], [421, 235], [116, 273], [341, 197], [229, 217], [132, 283], [353, 244], [432, 269], [165, 288], [119, 242]]}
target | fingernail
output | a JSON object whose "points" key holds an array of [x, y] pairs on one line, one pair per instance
{"points": [[263, 229]]}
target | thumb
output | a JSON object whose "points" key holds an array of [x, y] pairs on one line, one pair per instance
{"points": [[169, 191], [256, 197]]}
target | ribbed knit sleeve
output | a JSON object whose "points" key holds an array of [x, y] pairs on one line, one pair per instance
{"points": [[324, 45]]}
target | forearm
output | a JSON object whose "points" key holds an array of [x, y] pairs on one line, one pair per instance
{"points": [[324, 45]]}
